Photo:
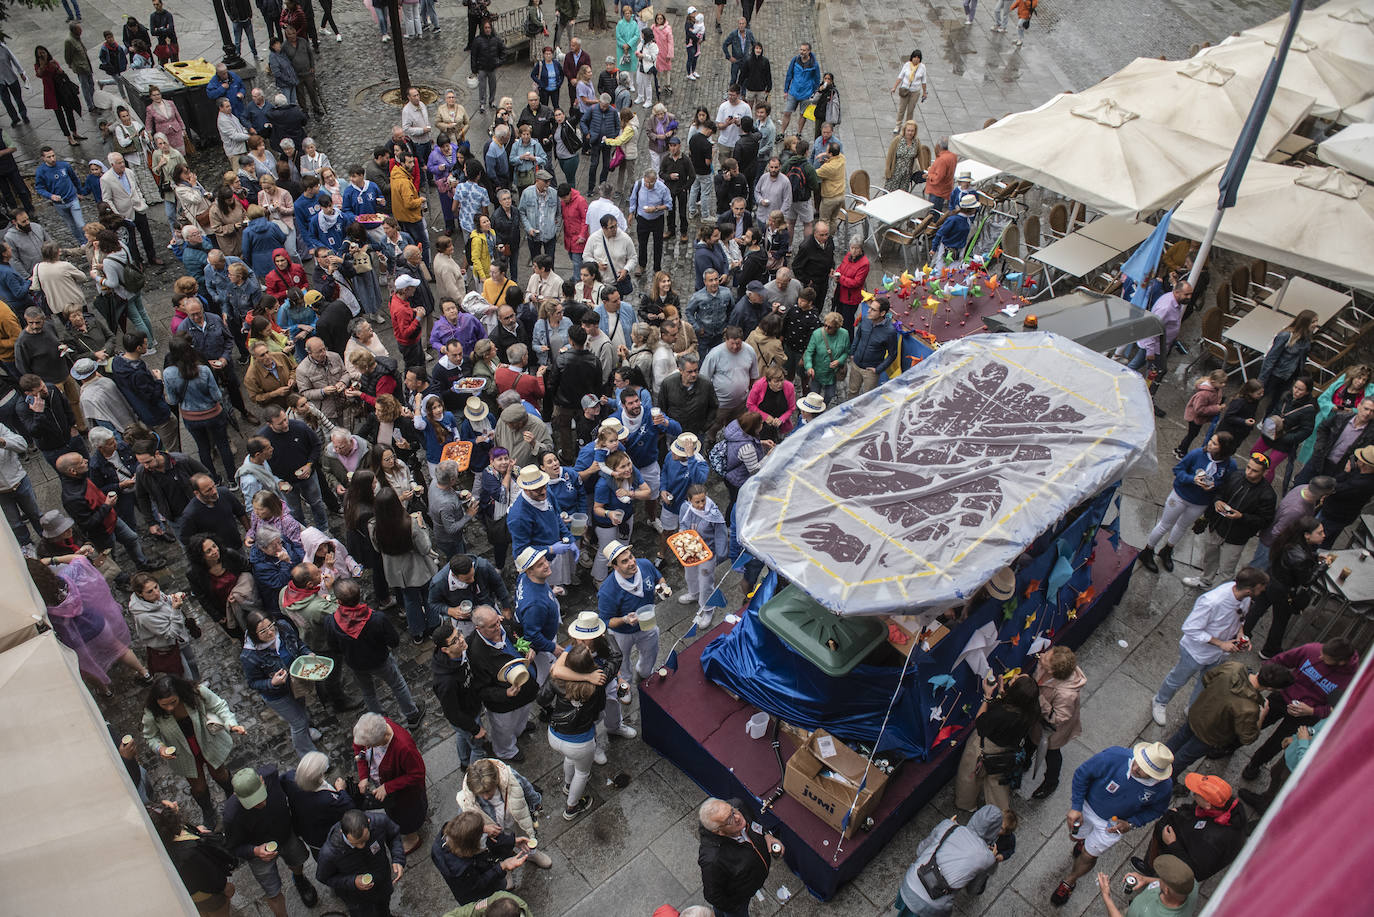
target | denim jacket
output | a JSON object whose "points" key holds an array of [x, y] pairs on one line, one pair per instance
{"points": [[198, 394]]}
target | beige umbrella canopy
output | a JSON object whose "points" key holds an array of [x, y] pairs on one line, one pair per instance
{"points": [[1344, 32], [1202, 98], [1097, 152], [1316, 220], [1332, 80]]}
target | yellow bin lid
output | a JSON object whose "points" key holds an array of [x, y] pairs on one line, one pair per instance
{"points": [[192, 72]]}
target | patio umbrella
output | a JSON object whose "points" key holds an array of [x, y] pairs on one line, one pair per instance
{"points": [[1097, 152], [1316, 220], [1344, 32], [1352, 150], [1202, 98], [1333, 80]]}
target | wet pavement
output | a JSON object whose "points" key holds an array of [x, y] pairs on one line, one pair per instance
{"points": [[636, 849]]}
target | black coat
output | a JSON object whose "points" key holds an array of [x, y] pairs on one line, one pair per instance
{"points": [[1205, 845], [314, 812], [340, 863], [1329, 433], [332, 326], [488, 51], [50, 428], [1255, 501], [245, 829], [289, 121], [457, 693], [731, 871], [473, 878], [486, 662], [695, 410], [1347, 501], [1299, 419], [812, 264], [369, 650]]}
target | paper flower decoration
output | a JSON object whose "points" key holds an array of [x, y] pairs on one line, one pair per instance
{"points": [[907, 279], [932, 303], [1008, 609]]}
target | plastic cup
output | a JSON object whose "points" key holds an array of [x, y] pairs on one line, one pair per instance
{"points": [[169, 751], [271, 846], [366, 879], [757, 725], [577, 523]]}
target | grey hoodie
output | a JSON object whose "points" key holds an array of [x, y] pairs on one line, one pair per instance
{"points": [[966, 860]]}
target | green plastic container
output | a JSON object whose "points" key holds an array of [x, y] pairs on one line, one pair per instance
{"points": [[832, 643]]}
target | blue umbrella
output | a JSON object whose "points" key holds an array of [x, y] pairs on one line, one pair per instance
{"points": [[1140, 267]]}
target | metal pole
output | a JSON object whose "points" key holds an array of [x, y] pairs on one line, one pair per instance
{"points": [[232, 59], [393, 14], [1245, 144]]}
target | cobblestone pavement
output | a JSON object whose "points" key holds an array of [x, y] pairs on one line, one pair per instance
{"points": [[636, 850]]}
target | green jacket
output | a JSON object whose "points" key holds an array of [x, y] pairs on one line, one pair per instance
{"points": [[215, 744], [566, 9], [312, 610], [823, 348], [1226, 713], [813, 181], [478, 908]]}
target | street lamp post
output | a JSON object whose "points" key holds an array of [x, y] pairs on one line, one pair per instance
{"points": [[392, 12], [232, 59]]}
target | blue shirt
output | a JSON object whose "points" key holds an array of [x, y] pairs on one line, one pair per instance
{"points": [[679, 474], [59, 179], [216, 90], [470, 198], [529, 526], [953, 232], [643, 196], [537, 610], [614, 602], [820, 146], [606, 495], [642, 444], [520, 148], [1104, 783], [497, 163], [357, 201]]}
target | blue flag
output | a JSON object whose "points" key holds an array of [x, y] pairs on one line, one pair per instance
{"points": [[716, 600], [1140, 267]]}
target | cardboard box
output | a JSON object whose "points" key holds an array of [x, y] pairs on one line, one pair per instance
{"points": [[824, 775]]}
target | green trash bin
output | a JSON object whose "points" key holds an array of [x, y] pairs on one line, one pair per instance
{"points": [[834, 644]]}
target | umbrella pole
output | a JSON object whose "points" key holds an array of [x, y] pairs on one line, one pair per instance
{"points": [[1200, 259]]}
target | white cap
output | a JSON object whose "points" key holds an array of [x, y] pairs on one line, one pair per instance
{"points": [[405, 282]]}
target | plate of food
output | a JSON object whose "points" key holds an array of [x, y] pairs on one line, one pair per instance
{"points": [[369, 219], [312, 668], [460, 451], [469, 384], [689, 548]]}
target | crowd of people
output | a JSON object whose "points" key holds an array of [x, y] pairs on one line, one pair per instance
{"points": [[449, 437]]}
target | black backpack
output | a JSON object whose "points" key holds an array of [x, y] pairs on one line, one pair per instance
{"points": [[796, 176], [134, 279]]}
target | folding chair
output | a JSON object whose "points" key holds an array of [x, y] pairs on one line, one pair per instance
{"points": [[848, 217], [1059, 220]]}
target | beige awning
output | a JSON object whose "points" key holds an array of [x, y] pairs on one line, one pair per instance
{"points": [[1333, 80], [1097, 151], [1316, 220]]}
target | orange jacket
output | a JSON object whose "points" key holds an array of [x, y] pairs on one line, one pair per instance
{"points": [[1024, 8], [405, 200]]}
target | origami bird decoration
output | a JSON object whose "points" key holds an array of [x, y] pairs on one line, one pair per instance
{"points": [[958, 290], [947, 732], [1085, 597], [942, 682], [866, 296], [1032, 588], [993, 283], [935, 288]]}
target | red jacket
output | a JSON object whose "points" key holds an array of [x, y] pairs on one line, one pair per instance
{"points": [[530, 387], [852, 276], [405, 321], [279, 283], [402, 769], [575, 232]]}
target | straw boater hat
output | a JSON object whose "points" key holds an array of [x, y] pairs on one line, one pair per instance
{"points": [[529, 557], [614, 550], [1002, 585], [588, 626], [514, 673], [968, 202], [813, 403], [475, 409], [613, 423], [1154, 758], [685, 445], [531, 477]]}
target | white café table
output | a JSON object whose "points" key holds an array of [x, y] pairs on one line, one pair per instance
{"points": [[1118, 232], [1075, 255], [1299, 293], [895, 207], [979, 172], [1255, 331]]}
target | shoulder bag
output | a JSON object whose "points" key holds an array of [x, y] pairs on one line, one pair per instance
{"points": [[625, 285], [929, 872]]}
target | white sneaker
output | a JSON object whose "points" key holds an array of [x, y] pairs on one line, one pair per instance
{"points": [[686, 598], [386, 38], [338, 37], [1196, 582], [624, 731], [1017, 42], [1160, 713], [703, 618], [968, 22], [315, 734], [598, 757], [656, 525]]}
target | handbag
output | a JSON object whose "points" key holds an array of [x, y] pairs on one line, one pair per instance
{"points": [[617, 159], [932, 879], [213, 724], [625, 285]]}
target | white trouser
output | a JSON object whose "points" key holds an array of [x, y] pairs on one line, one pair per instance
{"points": [[647, 641], [577, 764], [505, 728], [1178, 515]]}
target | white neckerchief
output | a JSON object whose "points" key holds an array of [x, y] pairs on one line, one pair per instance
{"points": [[634, 586], [632, 424], [454, 583], [274, 645], [327, 220], [541, 505]]}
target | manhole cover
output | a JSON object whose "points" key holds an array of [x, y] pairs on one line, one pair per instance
{"points": [[393, 95]]}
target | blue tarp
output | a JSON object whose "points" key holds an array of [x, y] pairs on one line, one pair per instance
{"points": [[755, 664]]}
